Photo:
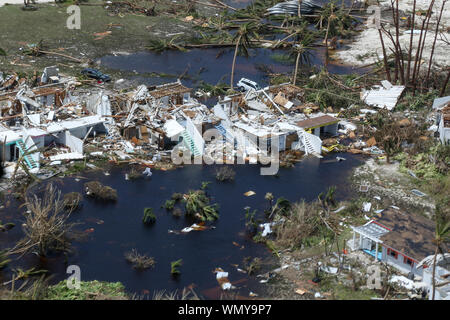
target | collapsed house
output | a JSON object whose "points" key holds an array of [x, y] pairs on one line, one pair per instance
{"points": [[52, 120], [402, 240], [254, 119], [35, 119]]}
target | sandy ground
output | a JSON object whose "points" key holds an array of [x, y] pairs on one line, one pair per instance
{"points": [[3, 2], [366, 48]]}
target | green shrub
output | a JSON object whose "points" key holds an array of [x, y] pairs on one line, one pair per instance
{"points": [[169, 204], [149, 216], [174, 267]]}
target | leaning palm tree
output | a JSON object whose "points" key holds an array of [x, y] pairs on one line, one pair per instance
{"points": [[242, 40], [441, 236]]}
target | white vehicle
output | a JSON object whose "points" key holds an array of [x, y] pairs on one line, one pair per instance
{"points": [[246, 84]]}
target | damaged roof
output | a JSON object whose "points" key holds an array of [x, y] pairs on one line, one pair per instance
{"points": [[317, 122], [167, 90], [411, 234]]}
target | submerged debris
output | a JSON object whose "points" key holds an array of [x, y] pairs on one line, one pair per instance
{"points": [[139, 261], [98, 191], [72, 200], [225, 173]]}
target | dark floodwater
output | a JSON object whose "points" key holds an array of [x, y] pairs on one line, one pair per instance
{"points": [[118, 227], [213, 65], [239, 4]]}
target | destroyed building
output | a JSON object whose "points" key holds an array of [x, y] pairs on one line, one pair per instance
{"points": [[401, 239]]}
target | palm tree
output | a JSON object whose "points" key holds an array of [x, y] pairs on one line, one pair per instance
{"points": [[300, 51], [442, 235], [242, 40], [269, 197], [299, 13]]}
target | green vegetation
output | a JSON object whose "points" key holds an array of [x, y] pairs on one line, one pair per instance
{"points": [[417, 102], [252, 265], [177, 196], [197, 206], [341, 292], [88, 290], [251, 224], [205, 185], [4, 259], [169, 204], [7, 226], [175, 267], [139, 261], [325, 90], [214, 90], [149, 216]]}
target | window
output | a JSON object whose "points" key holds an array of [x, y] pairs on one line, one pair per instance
{"points": [[408, 261], [392, 253]]}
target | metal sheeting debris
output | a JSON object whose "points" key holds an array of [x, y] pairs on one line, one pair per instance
{"points": [[385, 96]]}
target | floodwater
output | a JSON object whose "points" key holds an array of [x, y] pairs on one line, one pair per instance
{"points": [[117, 228], [114, 229], [213, 65]]}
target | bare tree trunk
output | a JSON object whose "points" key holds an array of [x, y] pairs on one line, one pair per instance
{"points": [[386, 66], [299, 13], [420, 46], [408, 71], [428, 18], [326, 41], [434, 42], [400, 51], [234, 63], [296, 69], [395, 43]]}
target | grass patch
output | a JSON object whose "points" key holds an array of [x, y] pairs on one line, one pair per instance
{"points": [[88, 290]]}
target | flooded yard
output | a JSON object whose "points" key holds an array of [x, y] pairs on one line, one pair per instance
{"points": [[114, 229]]}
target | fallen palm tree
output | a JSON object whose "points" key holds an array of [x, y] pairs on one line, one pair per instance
{"points": [[37, 50], [198, 206]]}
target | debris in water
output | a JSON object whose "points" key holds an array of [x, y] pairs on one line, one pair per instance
{"points": [[148, 172], [222, 279]]}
